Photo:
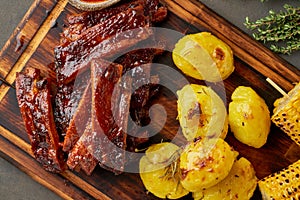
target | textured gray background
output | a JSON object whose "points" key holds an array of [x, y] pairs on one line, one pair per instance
{"points": [[14, 184]]}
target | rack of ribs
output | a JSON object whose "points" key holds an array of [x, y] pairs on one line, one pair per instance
{"points": [[117, 110], [102, 81]]}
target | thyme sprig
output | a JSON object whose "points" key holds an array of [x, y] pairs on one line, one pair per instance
{"points": [[282, 29]]}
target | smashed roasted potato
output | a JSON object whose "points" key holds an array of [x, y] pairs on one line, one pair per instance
{"points": [[204, 163], [249, 117], [204, 57], [239, 184], [160, 173], [201, 112]]}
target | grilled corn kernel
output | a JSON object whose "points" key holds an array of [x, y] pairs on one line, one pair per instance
{"points": [[284, 184], [287, 114]]}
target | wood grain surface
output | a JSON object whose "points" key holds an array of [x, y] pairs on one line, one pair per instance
{"points": [[33, 43]]}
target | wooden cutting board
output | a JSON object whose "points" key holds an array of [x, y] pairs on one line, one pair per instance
{"points": [[32, 44]]}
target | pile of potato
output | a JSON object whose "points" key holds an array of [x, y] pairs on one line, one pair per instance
{"points": [[208, 167]]}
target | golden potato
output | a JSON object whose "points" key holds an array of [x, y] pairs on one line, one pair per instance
{"points": [[239, 184], [249, 117], [204, 57], [204, 163], [160, 173], [201, 112]]}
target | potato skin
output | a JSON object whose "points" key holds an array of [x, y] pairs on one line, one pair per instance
{"points": [[154, 172], [239, 184], [201, 112], [204, 57], [205, 163], [249, 117]]}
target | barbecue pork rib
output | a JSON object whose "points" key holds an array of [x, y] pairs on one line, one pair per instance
{"points": [[80, 156], [105, 39], [79, 121], [105, 140], [66, 101], [91, 109], [78, 23], [111, 151], [34, 98], [86, 42], [136, 65], [119, 104]]}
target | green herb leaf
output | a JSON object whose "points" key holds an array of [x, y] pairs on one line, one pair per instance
{"points": [[281, 29]]}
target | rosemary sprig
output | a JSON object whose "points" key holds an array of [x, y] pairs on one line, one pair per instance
{"points": [[172, 170], [281, 29]]}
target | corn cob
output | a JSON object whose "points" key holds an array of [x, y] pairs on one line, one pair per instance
{"points": [[287, 114], [281, 185]]}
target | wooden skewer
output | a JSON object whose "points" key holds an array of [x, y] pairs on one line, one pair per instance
{"points": [[276, 87]]}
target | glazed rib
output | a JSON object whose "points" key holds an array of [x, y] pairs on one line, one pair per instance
{"points": [[79, 121], [135, 65], [34, 98], [81, 157], [112, 139], [78, 23], [138, 57], [102, 40], [66, 101], [105, 141]]}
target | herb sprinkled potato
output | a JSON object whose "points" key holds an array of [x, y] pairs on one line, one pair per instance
{"points": [[160, 173], [201, 112], [205, 163], [249, 117], [238, 185], [204, 57]]}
